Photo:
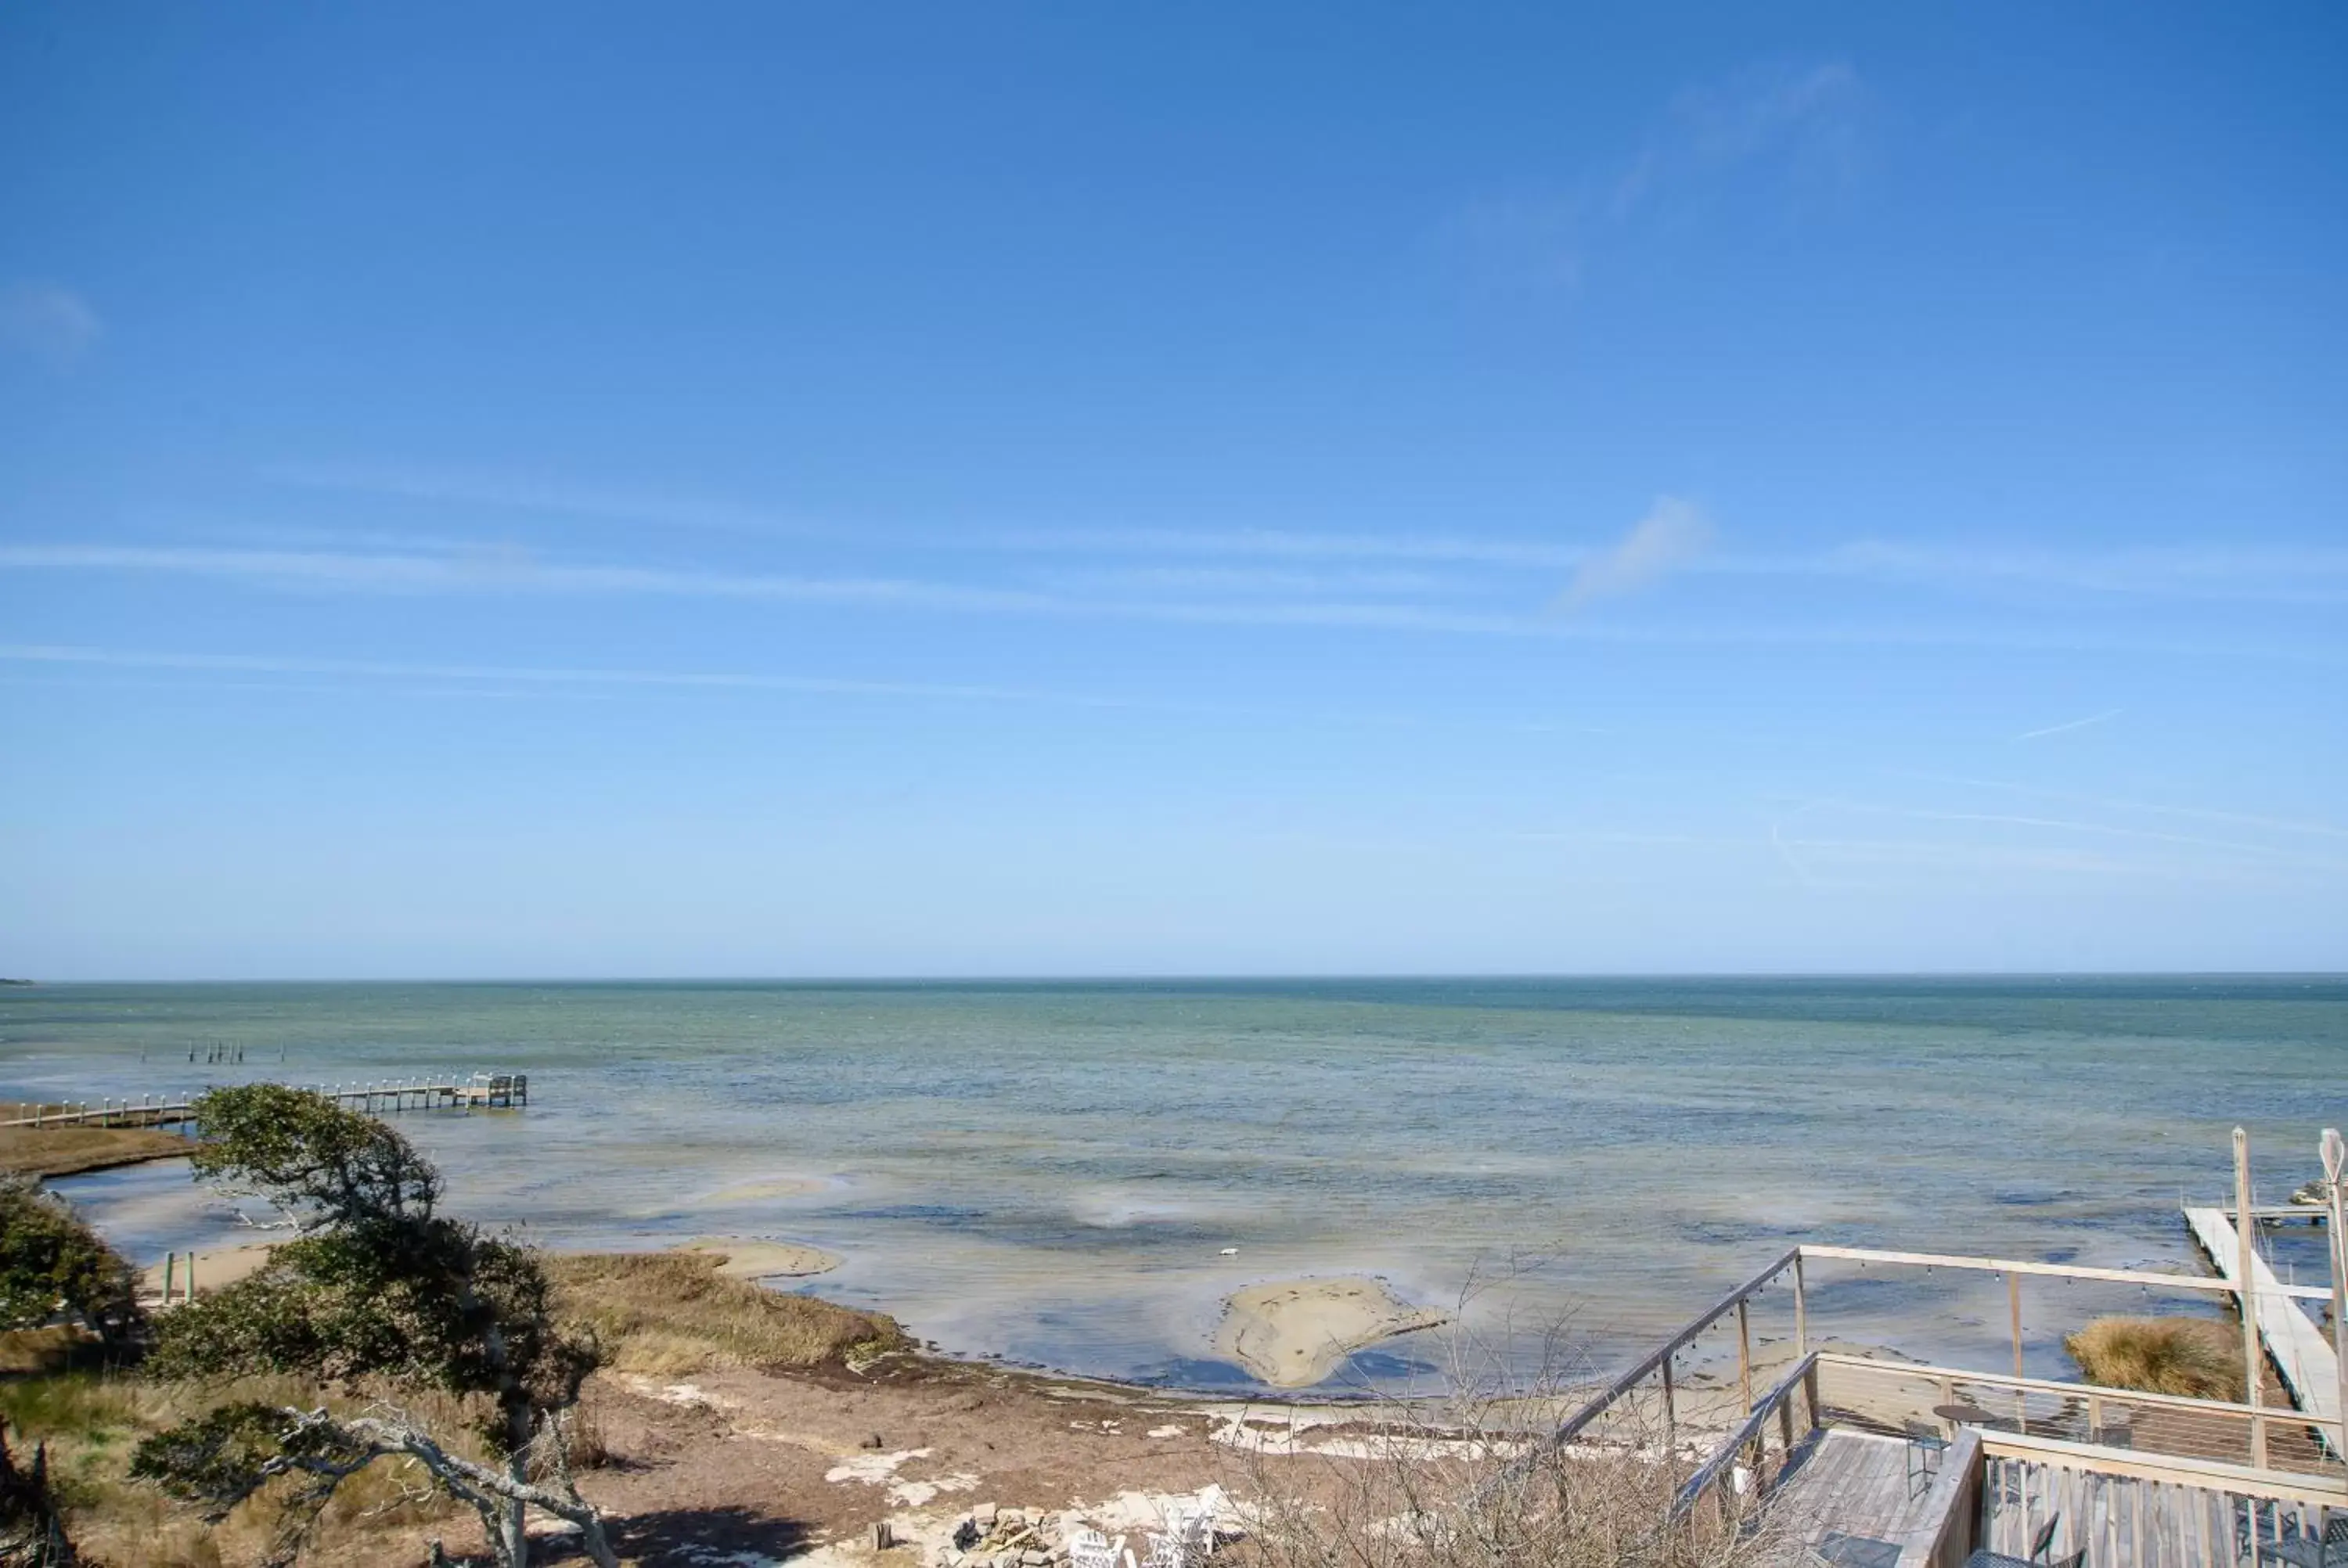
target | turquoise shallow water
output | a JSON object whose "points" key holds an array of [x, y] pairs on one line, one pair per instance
{"points": [[1051, 1171]]}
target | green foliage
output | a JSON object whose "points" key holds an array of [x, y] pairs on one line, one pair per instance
{"points": [[378, 1289], [310, 1156], [51, 1259], [218, 1459], [379, 1285]]}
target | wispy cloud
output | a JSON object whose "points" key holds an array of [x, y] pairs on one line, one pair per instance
{"points": [[511, 570], [1503, 607], [47, 320], [2103, 718], [1796, 125], [2279, 574], [2019, 841], [2231, 569], [1672, 533], [1805, 115], [684, 512], [2123, 805], [520, 675], [509, 493], [1285, 545]]}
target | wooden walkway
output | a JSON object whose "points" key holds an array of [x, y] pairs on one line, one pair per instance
{"points": [[485, 1090], [2302, 1355]]}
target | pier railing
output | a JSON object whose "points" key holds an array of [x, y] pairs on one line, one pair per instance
{"points": [[484, 1091]]}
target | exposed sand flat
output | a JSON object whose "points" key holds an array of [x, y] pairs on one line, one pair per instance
{"points": [[1295, 1333], [749, 1259], [220, 1266]]}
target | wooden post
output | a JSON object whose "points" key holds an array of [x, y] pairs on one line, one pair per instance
{"points": [[192, 1278], [2335, 1174], [170, 1261], [2253, 1357], [2014, 1309], [1744, 1360], [1671, 1411], [1801, 1312]]}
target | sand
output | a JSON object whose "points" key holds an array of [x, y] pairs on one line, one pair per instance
{"points": [[220, 1266], [748, 1258], [1295, 1333]]}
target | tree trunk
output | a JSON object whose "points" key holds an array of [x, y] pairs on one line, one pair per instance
{"points": [[517, 1436]]}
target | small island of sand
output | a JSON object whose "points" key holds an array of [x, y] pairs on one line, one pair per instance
{"points": [[748, 1259], [1295, 1333]]}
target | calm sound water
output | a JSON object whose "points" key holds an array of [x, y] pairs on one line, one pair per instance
{"points": [[1051, 1171]]}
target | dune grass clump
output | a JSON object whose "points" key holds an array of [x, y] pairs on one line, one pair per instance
{"points": [[666, 1314], [2199, 1357]]}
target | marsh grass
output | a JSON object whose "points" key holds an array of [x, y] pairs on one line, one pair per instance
{"points": [[664, 1315], [2200, 1358], [65, 1151], [92, 1421]]}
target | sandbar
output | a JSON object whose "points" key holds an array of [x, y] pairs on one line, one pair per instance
{"points": [[1295, 1333], [748, 1259]]}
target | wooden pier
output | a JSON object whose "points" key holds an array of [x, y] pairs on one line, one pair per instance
{"points": [[483, 1091], [2305, 1363]]}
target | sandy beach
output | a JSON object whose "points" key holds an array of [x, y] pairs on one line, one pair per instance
{"points": [[215, 1270], [1295, 1333]]}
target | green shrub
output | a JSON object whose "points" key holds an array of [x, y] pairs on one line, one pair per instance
{"points": [[51, 1262]]}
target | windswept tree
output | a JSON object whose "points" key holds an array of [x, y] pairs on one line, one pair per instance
{"points": [[377, 1291], [53, 1265]]}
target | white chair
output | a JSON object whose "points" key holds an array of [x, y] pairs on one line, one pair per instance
{"points": [[1192, 1523], [1166, 1552], [1091, 1549]]}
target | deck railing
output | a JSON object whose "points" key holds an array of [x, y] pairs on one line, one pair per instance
{"points": [[1876, 1391], [2147, 1510], [1744, 1458]]}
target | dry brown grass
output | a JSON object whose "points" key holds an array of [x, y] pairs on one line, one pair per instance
{"points": [[666, 1314], [67, 1151], [60, 1347], [91, 1421], [2199, 1357]]}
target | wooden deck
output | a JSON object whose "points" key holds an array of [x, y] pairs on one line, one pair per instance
{"points": [[2302, 1355], [1849, 1495]]}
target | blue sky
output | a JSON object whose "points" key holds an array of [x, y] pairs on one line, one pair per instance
{"points": [[826, 490]]}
